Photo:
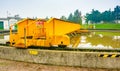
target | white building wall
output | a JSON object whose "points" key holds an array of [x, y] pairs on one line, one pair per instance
{"points": [[12, 22], [83, 19], [5, 24], [117, 21]]}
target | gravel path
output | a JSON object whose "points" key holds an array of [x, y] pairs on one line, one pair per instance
{"points": [[8, 65]]}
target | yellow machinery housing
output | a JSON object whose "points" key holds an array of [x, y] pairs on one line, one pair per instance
{"points": [[38, 32]]}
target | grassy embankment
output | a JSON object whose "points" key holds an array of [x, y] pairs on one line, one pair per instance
{"points": [[1, 29], [103, 26]]}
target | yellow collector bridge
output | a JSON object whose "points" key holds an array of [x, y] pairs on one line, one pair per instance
{"points": [[38, 32]]}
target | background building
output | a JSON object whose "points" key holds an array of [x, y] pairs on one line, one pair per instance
{"points": [[6, 22]]}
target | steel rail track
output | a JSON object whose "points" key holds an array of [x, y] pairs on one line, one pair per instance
{"points": [[77, 49], [70, 49]]}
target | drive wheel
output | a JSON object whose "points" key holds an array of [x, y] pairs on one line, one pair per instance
{"points": [[62, 46]]}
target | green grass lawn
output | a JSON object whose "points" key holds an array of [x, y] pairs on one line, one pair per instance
{"points": [[107, 26], [109, 33], [103, 26], [1, 29]]}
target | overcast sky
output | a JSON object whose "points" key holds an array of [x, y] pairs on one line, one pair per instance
{"points": [[53, 8]]}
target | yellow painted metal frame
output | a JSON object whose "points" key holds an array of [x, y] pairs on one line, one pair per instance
{"points": [[50, 33]]}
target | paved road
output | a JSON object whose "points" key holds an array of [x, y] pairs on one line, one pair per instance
{"points": [[3, 41]]}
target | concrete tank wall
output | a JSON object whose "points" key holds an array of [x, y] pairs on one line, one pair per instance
{"points": [[65, 58]]}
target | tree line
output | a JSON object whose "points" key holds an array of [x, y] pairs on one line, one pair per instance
{"points": [[95, 16], [107, 16], [73, 17]]}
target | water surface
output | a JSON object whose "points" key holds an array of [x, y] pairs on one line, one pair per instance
{"points": [[98, 40]]}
